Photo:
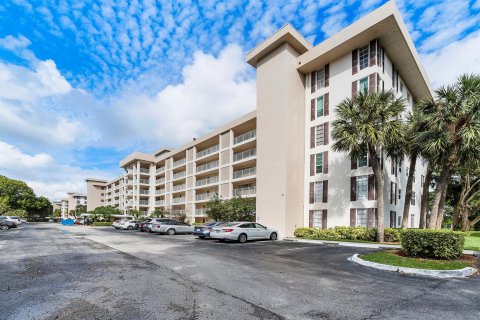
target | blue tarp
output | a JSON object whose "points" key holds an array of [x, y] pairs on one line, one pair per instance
{"points": [[67, 222]]}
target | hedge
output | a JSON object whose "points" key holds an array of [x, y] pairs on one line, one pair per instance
{"points": [[101, 224], [433, 244], [347, 233]]}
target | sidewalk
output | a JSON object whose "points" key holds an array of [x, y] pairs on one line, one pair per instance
{"points": [[359, 244]]}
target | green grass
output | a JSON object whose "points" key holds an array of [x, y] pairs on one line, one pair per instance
{"points": [[472, 242], [339, 240], [390, 258]]}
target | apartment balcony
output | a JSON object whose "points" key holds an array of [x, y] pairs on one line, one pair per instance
{"points": [[207, 166], [160, 170], [247, 191], [179, 162], [179, 175], [160, 191], [207, 151], [143, 202], [200, 212], [143, 170], [245, 136], [144, 192], [144, 181], [245, 154], [247, 172], [179, 187], [160, 202], [179, 200], [204, 196], [206, 181], [159, 181]]}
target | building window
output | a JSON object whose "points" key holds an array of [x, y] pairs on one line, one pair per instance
{"points": [[320, 107], [362, 188], [412, 221], [318, 191], [363, 87], [319, 163], [362, 217], [412, 202], [362, 161], [401, 87], [399, 194], [321, 78], [363, 57], [319, 139], [317, 219], [399, 221], [422, 180], [414, 172]]}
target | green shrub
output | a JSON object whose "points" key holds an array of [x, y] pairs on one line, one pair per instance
{"points": [[304, 232], [392, 235], [432, 244], [101, 224], [337, 233]]}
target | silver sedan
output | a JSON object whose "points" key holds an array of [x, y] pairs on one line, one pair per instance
{"points": [[243, 231], [171, 227]]}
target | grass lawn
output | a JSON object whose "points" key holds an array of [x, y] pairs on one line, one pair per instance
{"points": [[472, 242], [392, 257]]}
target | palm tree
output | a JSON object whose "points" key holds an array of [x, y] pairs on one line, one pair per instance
{"points": [[368, 124], [453, 130]]}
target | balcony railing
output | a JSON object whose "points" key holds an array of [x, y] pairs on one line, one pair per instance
{"points": [[179, 200], [245, 173], [179, 162], [205, 196], [245, 136], [179, 187], [160, 202], [143, 202], [161, 169], [179, 175], [207, 166], [144, 181], [207, 151], [160, 191], [143, 170], [245, 191], [245, 154], [206, 181], [161, 180], [200, 212], [144, 192]]}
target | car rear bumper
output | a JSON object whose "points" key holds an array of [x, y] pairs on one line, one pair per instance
{"points": [[223, 235], [201, 233]]}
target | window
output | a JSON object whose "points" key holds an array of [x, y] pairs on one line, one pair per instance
{"points": [[318, 191], [362, 188], [399, 194], [399, 221], [406, 170], [363, 57], [412, 221], [319, 163], [317, 219], [319, 138], [362, 217], [422, 180], [259, 226], [414, 172], [363, 87], [320, 107], [401, 86], [412, 202], [321, 78], [362, 162]]}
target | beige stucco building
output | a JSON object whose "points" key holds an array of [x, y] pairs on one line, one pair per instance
{"points": [[281, 154]]}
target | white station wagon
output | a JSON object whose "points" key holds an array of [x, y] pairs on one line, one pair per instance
{"points": [[243, 231]]}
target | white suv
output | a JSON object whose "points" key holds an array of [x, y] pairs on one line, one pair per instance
{"points": [[127, 225], [13, 219]]}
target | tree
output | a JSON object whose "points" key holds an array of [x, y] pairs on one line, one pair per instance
{"points": [[106, 212], [134, 213], [241, 209], [452, 134], [369, 124], [81, 208], [216, 209], [158, 213], [56, 213], [179, 215]]}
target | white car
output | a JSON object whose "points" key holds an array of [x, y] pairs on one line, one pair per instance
{"points": [[126, 224], [243, 231], [13, 219]]}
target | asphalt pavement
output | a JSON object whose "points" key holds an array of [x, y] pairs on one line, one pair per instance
{"points": [[54, 272]]}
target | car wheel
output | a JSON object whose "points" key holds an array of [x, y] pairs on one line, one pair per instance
{"points": [[130, 228], [171, 232], [273, 236], [242, 238], [5, 227]]}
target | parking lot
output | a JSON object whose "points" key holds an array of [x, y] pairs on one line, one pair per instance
{"points": [[54, 272]]}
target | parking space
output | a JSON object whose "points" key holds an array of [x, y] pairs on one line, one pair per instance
{"points": [[183, 277]]}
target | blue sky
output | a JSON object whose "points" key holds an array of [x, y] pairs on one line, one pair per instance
{"points": [[83, 83]]}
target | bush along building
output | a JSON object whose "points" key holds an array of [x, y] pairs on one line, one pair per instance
{"points": [[281, 154]]}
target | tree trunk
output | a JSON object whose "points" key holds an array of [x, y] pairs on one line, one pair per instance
{"points": [[379, 184], [441, 210], [465, 221], [425, 198], [408, 190], [472, 223], [457, 223], [439, 192]]}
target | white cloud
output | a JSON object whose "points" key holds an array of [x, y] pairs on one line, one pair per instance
{"points": [[10, 156], [446, 64]]}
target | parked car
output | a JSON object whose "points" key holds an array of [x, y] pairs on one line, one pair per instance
{"points": [[16, 220], [203, 231], [127, 225], [242, 232], [140, 225], [171, 227], [6, 224], [148, 225]]}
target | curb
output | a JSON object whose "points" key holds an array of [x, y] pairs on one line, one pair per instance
{"points": [[461, 273], [346, 244]]}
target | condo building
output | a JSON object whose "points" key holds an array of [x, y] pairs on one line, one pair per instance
{"points": [[281, 154]]}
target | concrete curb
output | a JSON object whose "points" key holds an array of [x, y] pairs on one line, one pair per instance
{"points": [[461, 273]]}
